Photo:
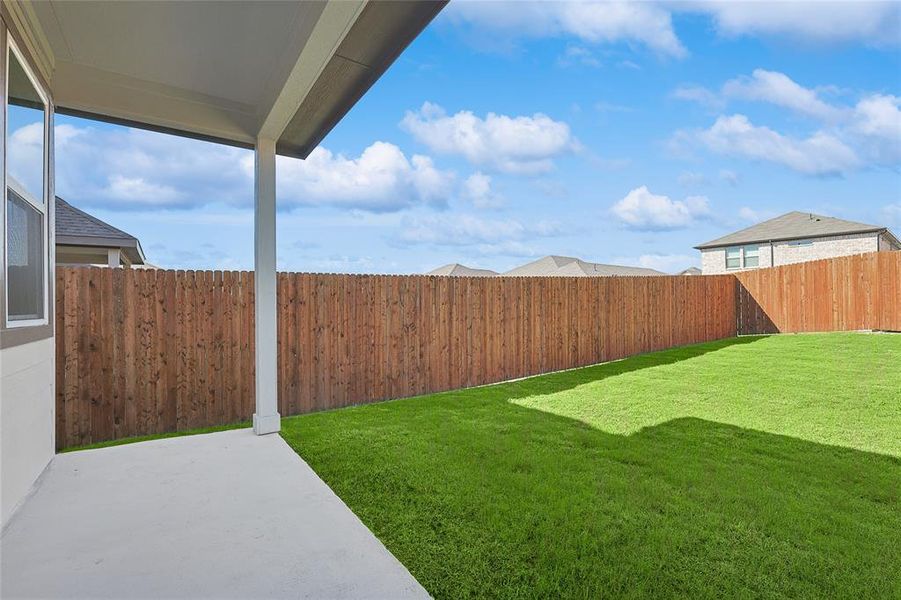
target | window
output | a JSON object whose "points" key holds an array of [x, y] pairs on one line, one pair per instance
{"points": [[25, 196], [746, 257], [733, 258], [751, 256]]}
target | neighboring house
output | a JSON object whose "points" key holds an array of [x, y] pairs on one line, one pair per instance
{"points": [[792, 238], [566, 266], [549, 266], [458, 270], [690, 271], [82, 239]]}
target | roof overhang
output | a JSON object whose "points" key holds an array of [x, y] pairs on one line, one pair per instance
{"points": [[131, 248], [230, 72], [710, 246]]}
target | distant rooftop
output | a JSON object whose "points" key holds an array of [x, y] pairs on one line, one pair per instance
{"points": [[458, 270], [791, 226], [567, 266], [74, 227]]}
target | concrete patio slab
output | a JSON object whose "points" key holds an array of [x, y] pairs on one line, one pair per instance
{"points": [[223, 515]]}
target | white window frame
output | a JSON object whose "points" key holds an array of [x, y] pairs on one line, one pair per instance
{"points": [[44, 210], [742, 257]]}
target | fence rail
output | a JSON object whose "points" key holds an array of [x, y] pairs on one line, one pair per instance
{"points": [[147, 351], [838, 294]]}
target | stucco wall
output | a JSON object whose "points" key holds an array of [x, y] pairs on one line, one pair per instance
{"points": [[713, 261], [26, 419]]}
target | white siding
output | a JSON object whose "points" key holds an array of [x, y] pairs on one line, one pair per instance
{"points": [[26, 419]]}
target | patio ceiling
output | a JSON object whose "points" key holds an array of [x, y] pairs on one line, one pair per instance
{"points": [[226, 71]]}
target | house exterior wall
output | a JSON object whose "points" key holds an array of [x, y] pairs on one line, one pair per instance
{"points": [[713, 260], [27, 419], [27, 353]]}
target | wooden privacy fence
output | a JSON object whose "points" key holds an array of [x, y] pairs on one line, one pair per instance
{"points": [[838, 294], [148, 351]]}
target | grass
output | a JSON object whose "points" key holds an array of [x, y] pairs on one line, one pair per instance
{"points": [[766, 467]]}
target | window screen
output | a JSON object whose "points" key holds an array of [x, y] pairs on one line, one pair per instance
{"points": [[733, 258], [752, 256], [25, 259], [26, 205]]}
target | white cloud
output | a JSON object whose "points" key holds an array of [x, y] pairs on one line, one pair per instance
{"points": [[763, 86], [779, 89], [667, 263], [500, 25], [640, 23], [729, 176], [126, 169], [870, 129], [487, 236], [749, 214], [477, 190], [690, 179], [140, 191], [381, 179], [699, 94], [833, 22], [877, 124], [523, 144], [643, 210], [578, 55], [819, 154], [134, 169]]}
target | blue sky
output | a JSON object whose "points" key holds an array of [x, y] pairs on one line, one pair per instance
{"points": [[613, 132]]}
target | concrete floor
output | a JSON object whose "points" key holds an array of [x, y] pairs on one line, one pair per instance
{"points": [[223, 515]]}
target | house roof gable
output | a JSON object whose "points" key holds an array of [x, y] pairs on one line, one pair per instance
{"points": [[791, 226], [567, 266], [75, 227]]}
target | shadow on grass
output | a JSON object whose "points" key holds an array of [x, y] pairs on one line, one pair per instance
{"points": [[480, 497], [565, 380]]}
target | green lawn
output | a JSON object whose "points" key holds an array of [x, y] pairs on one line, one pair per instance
{"points": [[766, 467]]}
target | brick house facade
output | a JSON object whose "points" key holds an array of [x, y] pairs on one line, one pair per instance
{"points": [[792, 238]]}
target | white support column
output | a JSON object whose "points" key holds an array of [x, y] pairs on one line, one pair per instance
{"points": [[112, 257], [266, 418]]}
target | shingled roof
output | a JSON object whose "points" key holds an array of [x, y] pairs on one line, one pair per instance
{"points": [[566, 266], [792, 226], [74, 227], [458, 270]]}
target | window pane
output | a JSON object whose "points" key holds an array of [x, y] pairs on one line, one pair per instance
{"points": [[751, 256], [732, 258], [25, 259], [25, 135]]}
